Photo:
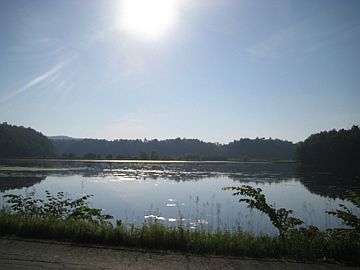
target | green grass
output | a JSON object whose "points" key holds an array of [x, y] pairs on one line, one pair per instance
{"points": [[64, 219], [302, 244]]}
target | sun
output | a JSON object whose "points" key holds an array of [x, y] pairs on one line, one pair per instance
{"points": [[148, 19]]}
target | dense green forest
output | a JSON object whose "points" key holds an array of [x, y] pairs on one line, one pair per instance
{"points": [[327, 150], [187, 149], [23, 142], [332, 151], [26, 142], [269, 149]]}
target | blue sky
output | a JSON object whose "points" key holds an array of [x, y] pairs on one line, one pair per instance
{"points": [[222, 71]]}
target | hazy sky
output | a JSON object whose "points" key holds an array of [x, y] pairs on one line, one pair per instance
{"points": [[216, 70]]}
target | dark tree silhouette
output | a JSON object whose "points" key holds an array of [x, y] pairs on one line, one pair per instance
{"points": [[268, 149], [23, 142], [185, 149], [26, 142], [333, 150]]}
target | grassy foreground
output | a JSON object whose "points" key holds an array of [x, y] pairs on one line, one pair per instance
{"points": [[299, 244], [60, 218]]}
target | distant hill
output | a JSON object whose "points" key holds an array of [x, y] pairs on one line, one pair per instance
{"points": [[23, 142], [187, 149], [56, 138], [327, 150]]}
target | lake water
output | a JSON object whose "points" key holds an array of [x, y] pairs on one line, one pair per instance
{"points": [[186, 192]]}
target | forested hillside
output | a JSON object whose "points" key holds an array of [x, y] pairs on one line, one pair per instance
{"points": [[269, 149], [332, 150], [23, 142], [188, 149], [26, 142]]}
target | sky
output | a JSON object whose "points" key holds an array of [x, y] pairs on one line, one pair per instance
{"points": [[216, 70]]}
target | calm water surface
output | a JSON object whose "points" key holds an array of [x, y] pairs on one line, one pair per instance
{"points": [[190, 193]]}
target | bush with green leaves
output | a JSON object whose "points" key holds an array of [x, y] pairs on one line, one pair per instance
{"points": [[346, 215], [280, 218], [56, 207]]}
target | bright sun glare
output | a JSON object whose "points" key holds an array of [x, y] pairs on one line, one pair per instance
{"points": [[148, 19]]}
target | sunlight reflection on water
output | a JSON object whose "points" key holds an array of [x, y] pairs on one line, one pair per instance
{"points": [[186, 193]]}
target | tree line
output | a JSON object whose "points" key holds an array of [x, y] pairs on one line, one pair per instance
{"points": [[183, 149], [334, 150], [18, 141]]}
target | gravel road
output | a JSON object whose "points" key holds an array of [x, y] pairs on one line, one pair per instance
{"points": [[30, 254]]}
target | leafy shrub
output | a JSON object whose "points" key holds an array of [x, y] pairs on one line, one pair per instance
{"points": [[346, 215], [56, 207], [280, 218]]}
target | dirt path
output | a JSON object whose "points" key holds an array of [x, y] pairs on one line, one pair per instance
{"points": [[28, 254]]}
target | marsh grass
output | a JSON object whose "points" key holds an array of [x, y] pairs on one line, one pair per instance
{"points": [[76, 222], [303, 244]]}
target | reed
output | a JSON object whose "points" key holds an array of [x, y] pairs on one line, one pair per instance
{"points": [[305, 244]]}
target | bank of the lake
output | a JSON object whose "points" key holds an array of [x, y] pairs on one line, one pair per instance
{"points": [[303, 245]]}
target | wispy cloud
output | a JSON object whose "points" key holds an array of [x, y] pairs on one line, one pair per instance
{"points": [[271, 46], [50, 74]]}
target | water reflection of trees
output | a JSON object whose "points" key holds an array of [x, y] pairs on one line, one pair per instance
{"points": [[32, 172], [328, 184], [18, 182]]}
